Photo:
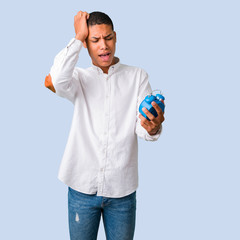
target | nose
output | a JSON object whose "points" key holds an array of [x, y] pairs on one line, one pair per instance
{"points": [[103, 44]]}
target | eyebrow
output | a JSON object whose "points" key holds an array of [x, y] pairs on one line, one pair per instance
{"points": [[103, 37]]}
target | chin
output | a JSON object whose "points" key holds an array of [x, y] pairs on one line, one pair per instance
{"points": [[105, 64]]}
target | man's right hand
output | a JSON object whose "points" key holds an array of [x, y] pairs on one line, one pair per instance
{"points": [[80, 25]]}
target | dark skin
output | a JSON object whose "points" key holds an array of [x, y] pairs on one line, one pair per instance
{"points": [[154, 124]]}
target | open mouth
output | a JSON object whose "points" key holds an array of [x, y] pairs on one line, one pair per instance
{"points": [[105, 57]]}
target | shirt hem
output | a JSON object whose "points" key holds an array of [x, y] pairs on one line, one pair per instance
{"points": [[95, 191]]}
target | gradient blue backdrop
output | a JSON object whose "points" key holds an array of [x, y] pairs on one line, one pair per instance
{"points": [[189, 178]]}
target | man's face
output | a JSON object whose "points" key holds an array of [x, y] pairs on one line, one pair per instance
{"points": [[101, 44]]}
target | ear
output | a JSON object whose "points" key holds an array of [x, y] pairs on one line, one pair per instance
{"points": [[85, 44]]}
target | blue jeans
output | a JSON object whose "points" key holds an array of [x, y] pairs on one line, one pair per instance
{"points": [[85, 210]]}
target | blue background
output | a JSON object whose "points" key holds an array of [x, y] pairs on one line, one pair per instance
{"points": [[189, 178]]}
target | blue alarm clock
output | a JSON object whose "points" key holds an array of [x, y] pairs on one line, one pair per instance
{"points": [[159, 99]]}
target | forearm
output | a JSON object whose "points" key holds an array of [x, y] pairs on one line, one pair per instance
{"points": [[62, 78], [64, 63]]}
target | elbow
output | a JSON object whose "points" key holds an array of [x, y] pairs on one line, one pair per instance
{"points": [[49, 84]]}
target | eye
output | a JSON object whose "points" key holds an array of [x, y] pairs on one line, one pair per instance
{"points": [[109, 38], [94, 41]]}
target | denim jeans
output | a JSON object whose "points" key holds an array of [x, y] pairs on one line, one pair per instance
{"points": [[85, 210]]}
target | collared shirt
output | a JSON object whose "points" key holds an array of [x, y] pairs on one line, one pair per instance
{"points": [[101, 155]]}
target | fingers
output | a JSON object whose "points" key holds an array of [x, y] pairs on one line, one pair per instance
{"points": [[157, 108], [144, 121], [150, 126], [82, 14], [154, 121], [159, 111], [149, 115]]}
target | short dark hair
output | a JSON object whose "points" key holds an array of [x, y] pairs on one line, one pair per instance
{"points": [[99, 18]]}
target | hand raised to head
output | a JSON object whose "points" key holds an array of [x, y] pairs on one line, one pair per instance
{"points": [[80, 25]]}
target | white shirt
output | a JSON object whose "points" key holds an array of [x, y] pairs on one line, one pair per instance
{"points": [[101, 155]]}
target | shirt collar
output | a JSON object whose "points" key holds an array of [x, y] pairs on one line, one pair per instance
{"points": [[112, 68]]}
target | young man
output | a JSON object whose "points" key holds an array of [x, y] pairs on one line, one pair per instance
{"points": [[100, 162]]}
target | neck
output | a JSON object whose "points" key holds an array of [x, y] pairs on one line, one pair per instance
{"points": [[105, 69]]}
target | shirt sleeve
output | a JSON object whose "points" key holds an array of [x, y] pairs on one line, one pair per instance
{"points": [[144, 89], [63, 77]]}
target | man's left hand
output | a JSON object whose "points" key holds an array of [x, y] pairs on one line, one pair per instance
{"points": [[154, 124]]}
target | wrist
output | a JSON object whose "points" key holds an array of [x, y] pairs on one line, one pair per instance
{"points": [[153, 133], [79, 37]]}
